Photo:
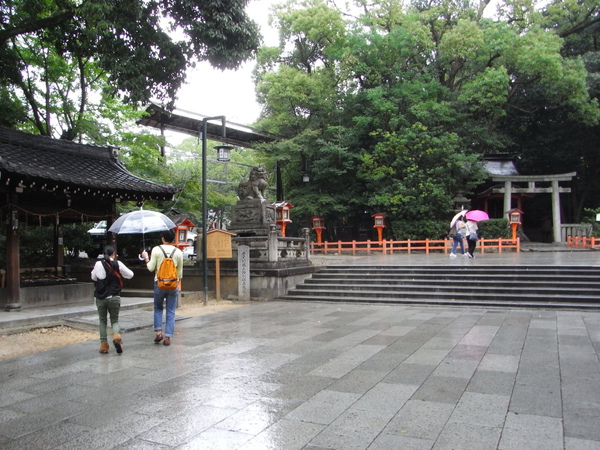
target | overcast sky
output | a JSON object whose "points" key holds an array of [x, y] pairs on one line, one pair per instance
{"points": [[228, 93]]}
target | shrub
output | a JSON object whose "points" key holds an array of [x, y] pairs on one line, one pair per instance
{"points": [[419, 230], [494, 228], [431, 229], [589, 216]]}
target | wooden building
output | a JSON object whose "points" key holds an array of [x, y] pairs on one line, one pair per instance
{"points": [[46, 181]]}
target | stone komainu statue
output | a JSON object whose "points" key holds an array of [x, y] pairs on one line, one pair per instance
{"points": [[256, 184]]}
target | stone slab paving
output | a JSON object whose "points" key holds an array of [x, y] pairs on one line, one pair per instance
{"points": [[287, 375], [129, 320]]}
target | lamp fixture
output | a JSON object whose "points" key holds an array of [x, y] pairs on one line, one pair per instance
{"points": [[305, 178], [203, 134], [223, 152]]}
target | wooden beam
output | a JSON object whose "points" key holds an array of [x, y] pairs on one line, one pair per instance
{"points": [[514, 190]]}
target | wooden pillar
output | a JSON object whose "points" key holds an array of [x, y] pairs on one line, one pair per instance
{"points": [[507, 196], [13, 268], [556, 211], [59, 248]]}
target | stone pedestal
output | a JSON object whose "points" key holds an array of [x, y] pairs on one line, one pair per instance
{"points": [[252, 217]]}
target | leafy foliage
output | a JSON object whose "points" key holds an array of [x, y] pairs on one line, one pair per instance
{"points": [[494, 228], [56, 56], [185, 170], [391, 111]]}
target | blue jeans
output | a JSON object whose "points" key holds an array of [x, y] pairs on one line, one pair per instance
{"points": [[160, 298], [458, 240]]}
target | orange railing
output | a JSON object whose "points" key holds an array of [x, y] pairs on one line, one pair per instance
{"points": [[583, 242], [409, 246]]}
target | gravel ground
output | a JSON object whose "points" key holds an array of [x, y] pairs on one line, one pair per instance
{"points": [[42, 339]]}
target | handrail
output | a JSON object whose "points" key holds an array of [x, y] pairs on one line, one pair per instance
{"points": [[409, 246]]}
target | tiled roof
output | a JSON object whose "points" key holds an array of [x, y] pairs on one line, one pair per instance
{"points": [[191, 123], [500, 165], [87, 166]]}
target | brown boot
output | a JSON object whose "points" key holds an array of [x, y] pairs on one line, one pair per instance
{"points": [[104, 347], [118, 342]]}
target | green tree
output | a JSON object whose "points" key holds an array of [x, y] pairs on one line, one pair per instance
{"points": [[56, 55], [552, 139], [407, 176], [185, 170], [409, 98]]}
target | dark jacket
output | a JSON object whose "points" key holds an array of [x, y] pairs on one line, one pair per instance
{"points": [[111, 285]]}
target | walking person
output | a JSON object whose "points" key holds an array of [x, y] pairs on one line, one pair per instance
{"points": [[471, 231], [163, 295], [108, 274], [459, 226]]}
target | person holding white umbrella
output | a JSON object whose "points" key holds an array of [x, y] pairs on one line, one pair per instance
{"points": [[163, 296], [458, 224]]}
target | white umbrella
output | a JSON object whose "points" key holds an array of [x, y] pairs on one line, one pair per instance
{"points": [[141, 222], [456, 217]]}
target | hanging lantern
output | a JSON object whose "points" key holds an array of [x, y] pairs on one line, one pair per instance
{"points": [[223, 152]]}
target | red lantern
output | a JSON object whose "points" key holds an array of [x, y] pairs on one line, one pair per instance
{"points": [[318, 224], [379, 224], [282, 210]]}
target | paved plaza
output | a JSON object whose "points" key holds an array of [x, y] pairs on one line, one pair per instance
{"points": [[303, 375]]}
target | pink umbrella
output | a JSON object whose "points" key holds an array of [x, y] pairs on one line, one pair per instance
{"points": [[476, 215]]}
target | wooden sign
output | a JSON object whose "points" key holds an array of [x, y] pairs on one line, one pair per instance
{"points": [[218, 244]]}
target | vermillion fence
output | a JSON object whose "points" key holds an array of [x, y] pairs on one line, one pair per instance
{"points": [[410, 246], [583, 242]]}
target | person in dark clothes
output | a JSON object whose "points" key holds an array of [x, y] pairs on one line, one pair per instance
{"points": [[108, 274]]}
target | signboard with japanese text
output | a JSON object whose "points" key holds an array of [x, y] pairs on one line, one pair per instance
{"points": [[243, 273], [218, 244]]}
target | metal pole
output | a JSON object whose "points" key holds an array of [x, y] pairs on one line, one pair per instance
{"points": [[204, 208]]}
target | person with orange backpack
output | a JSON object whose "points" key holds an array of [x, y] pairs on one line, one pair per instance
{"points": [[166, 261]]}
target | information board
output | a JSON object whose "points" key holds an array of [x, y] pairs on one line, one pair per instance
{"points": [[218, 244]]}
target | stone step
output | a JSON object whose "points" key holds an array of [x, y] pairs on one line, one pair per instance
{"points": [[456, 280], [457, 287], [534, 302], [566, 286], [491, 270], [582, 277], [456, 295]]}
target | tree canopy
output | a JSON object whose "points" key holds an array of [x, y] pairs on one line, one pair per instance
{"points": [[391, 109], [55, 55]]}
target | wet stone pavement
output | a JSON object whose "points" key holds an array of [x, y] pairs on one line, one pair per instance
{"points": [[282, 375]]}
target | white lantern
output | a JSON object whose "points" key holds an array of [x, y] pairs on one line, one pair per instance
{"points": [[224, 152]]}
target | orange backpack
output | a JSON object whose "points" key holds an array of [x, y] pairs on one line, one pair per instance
{"points": [[166, 276]]}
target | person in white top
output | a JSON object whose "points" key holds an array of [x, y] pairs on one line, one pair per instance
{"points": [[108, 274], [458, 239], [471, 230]]}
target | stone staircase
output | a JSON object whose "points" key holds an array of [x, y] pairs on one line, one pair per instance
{"points": [[515, 286]]}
